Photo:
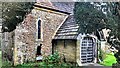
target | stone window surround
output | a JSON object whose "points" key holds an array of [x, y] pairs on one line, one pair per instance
{"points": [[41, 39]]}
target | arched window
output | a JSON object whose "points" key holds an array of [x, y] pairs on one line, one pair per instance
{"points": [[39, 29]]}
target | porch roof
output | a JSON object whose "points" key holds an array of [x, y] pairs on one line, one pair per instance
{"points": [[69, 29]]}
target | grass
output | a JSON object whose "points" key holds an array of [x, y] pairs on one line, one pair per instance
{"points": [[40, 65], [43, 64]]}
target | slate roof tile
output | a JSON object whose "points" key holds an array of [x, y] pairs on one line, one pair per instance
{"points": [[69, 29]]}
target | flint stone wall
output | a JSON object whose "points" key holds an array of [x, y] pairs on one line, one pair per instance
{"points": [[25, 34]]}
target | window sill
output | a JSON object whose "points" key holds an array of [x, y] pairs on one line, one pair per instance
{"points": [[39, 39]]}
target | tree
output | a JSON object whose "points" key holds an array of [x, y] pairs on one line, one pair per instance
{"points": [[116, 15], [114, 22], [13, 13], [89, 18], [93, 17]]}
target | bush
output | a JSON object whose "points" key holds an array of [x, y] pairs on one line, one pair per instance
{"points": [[52, 59], [55, 61]]}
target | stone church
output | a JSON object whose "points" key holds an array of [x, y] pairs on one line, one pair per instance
{"points": [[49, 27], [36, 32]]}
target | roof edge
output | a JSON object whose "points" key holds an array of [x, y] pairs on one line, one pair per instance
{"points": [[52, 9], [60, 26]]}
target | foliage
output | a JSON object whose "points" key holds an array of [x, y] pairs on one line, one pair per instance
{"points": [[109, 60], [89, 18], [101, 55], [14, 13], [92, 19], [51, 61], [55, 58], [7, 63], [117, 55], [117, 65], [113, 17], [44, 65]]}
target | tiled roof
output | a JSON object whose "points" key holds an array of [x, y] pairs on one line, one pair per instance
{"points": [[50, 6], [69, 29], [45, 4], [64, 6]]}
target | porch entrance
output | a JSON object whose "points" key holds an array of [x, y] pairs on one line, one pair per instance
{"points": [[87, 50]]}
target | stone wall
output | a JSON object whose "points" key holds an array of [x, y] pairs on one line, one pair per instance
{"points": [[25, 40], [78, 51], [7, 46], [51, 21], [25, 34], [66, 49]]}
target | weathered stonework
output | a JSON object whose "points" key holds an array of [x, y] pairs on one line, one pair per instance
{"points": [[25, 34], [7, 46], [66, 49], [78, 51]]}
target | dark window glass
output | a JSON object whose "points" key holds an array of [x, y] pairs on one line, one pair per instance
{"points": [[39, 29]]}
